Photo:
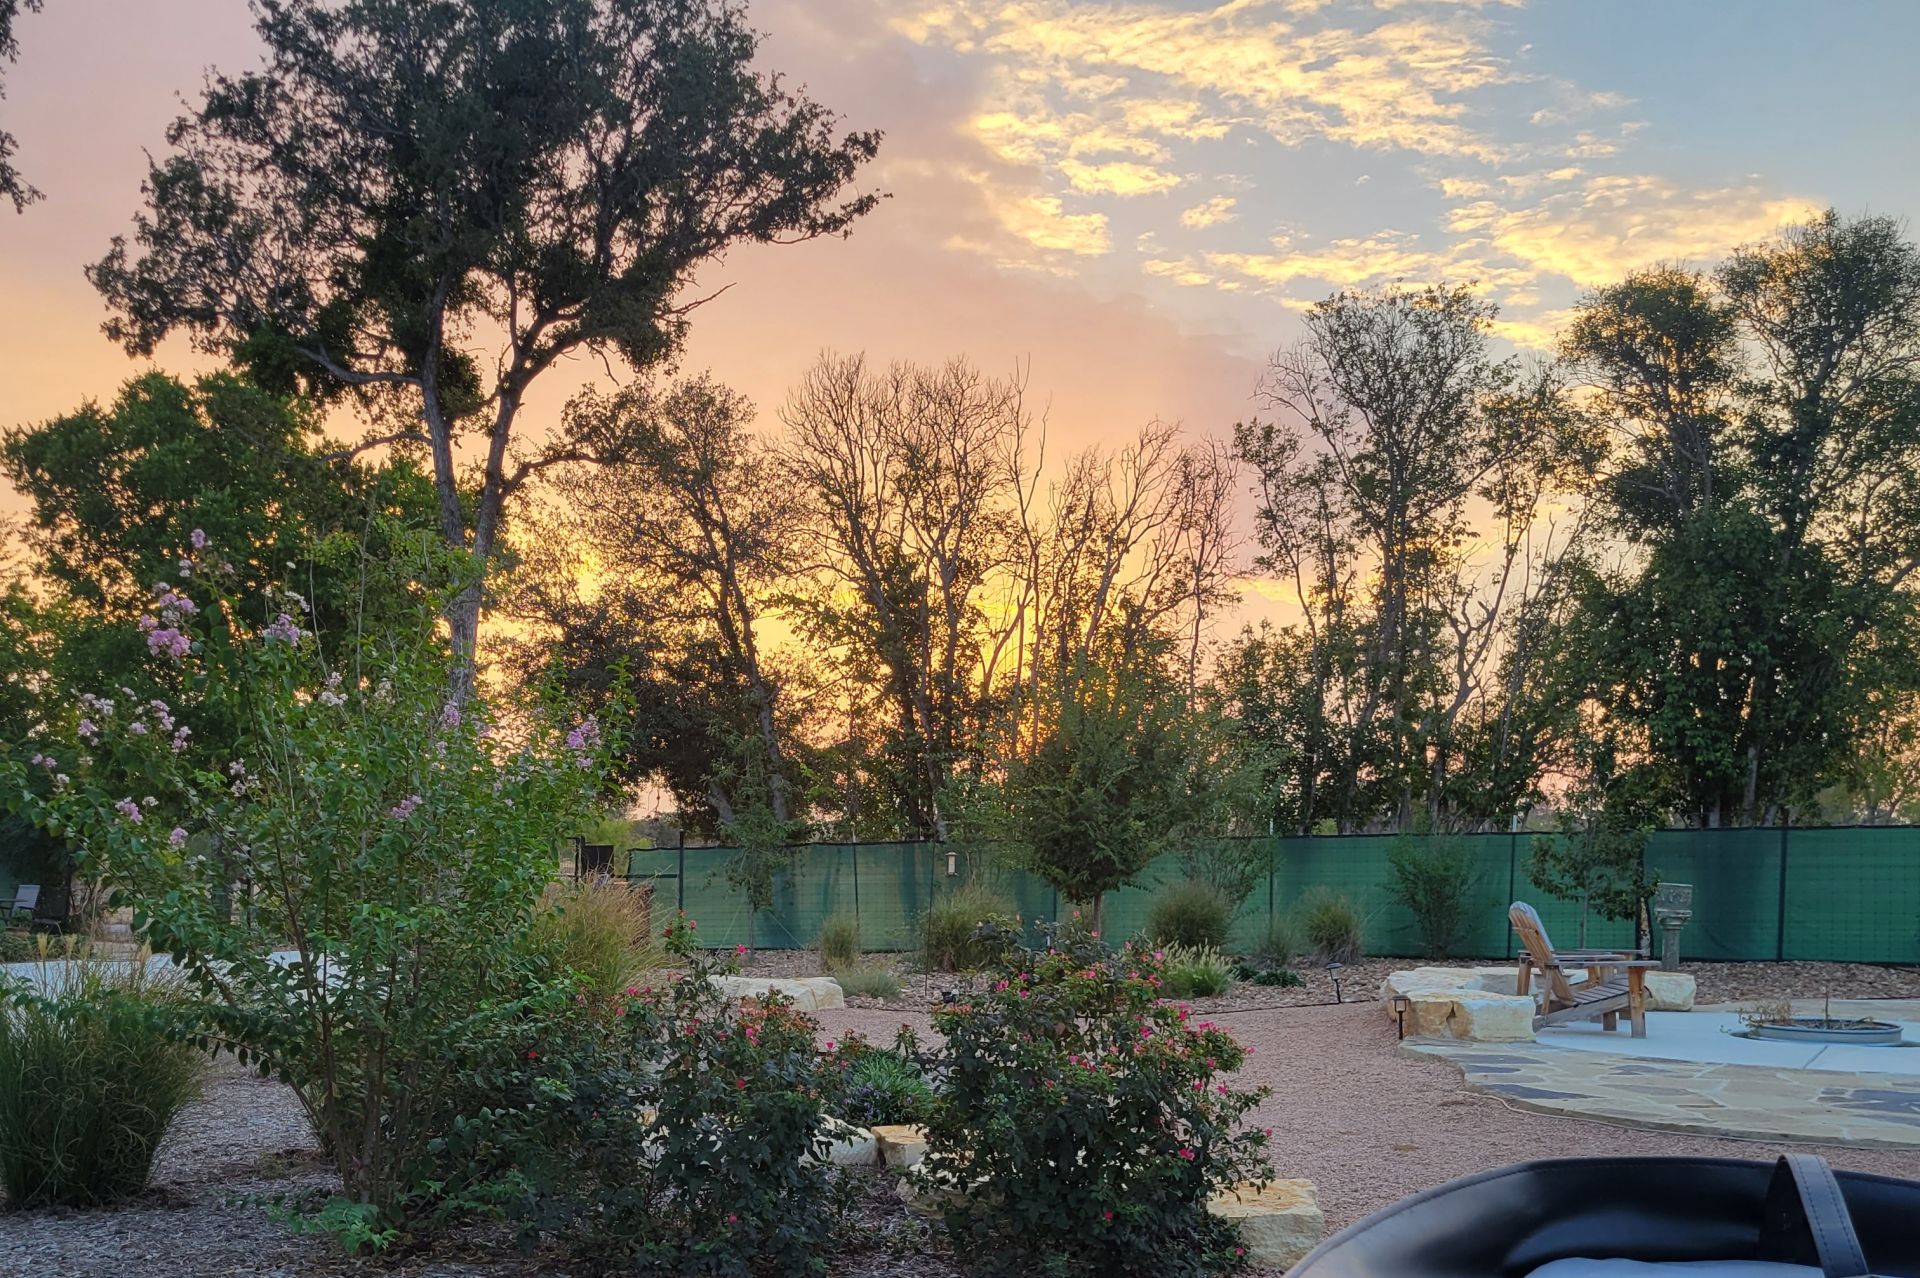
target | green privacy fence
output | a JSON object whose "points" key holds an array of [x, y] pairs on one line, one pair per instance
{"points": [[1838, 893]]}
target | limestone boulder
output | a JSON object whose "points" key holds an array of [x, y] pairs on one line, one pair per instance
{"points": [[930, 1190], [809, 993], [852, 1146], [1670, 991], [901, 1145], [1470, 1015], [1497, 978], [1279, 1223]]}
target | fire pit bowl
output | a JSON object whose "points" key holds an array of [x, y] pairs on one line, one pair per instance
{"points": [[1821, 1029]]}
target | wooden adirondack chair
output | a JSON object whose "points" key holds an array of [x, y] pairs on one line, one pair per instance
{"points": [[1616, 979]]}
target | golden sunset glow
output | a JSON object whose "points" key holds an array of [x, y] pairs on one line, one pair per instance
{"points": [[1131, 200]]}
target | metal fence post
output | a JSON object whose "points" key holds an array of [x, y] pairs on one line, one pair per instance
{"points": [[680, 876], [1513, 882], [1780, 922], [853, 850]]}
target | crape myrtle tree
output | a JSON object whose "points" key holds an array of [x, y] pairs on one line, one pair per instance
{"points": [[427, 205], [122, 494]]}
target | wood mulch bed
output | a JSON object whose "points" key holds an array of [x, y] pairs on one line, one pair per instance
{"points": [[1360, 982]]}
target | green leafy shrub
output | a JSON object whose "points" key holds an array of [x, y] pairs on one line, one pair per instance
{"points": [[1280, 944], [868, 980], [1196, 972], [17, 947], [395, 837], [967, 928], [881, 1085], [599, 931], [93, 1068], [1331, 924], [1434, 879], [1273, 977], [1191, 912], [667, 1131], [839, 941], [1082, 1122]]}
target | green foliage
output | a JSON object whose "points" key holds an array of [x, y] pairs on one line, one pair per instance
{"points": [[93, 1068], [1331, 923], [839, 941], [1195, 971], [1281, 943], [1399, 448], [868, 980], [397, 842], [881, 1085], [1106, 788], [12, 186], [452, 182], [967, 928], [598, 932], [668, 1130], [1435, 878], [1763, 631], [17, 947], [1084, 1122], [1190, 912], [1597, 859], [1272, 977]]}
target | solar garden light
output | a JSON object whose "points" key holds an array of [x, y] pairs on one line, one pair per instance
{"points": [[1400, 1002], [1333, 970]]}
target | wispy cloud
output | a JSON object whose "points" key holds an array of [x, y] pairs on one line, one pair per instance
{"points": [[1215, 211]]}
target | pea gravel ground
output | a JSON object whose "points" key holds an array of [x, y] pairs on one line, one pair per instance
{"points": [[1366, 1122]]}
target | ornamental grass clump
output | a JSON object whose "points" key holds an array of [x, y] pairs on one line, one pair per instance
{"points": [[1083, 1122], [93, 1069], [1195, 972], [599, 931], [967, 928], [881, 1085], [1191, 912]]}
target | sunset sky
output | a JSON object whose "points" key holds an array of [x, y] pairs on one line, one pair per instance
{"points": [[1132, 199]]}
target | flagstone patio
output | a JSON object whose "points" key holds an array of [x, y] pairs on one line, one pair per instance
{"points": [[1692, 1073]]}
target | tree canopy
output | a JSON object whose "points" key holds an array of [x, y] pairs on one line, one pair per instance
{"points": [[427, 205]]}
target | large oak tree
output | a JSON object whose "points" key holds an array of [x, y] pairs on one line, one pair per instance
{"points": [[430, 203]]}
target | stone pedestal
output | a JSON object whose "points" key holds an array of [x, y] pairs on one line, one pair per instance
{"points": [[1278, 1224]]}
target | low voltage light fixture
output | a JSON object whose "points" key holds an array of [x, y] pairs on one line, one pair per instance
{"points": [[1333, 970], [1400, 1002]]}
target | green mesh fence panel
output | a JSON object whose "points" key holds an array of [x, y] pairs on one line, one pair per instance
{"points": [[1848, 893], [1736, 889], [1852, 894]]}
